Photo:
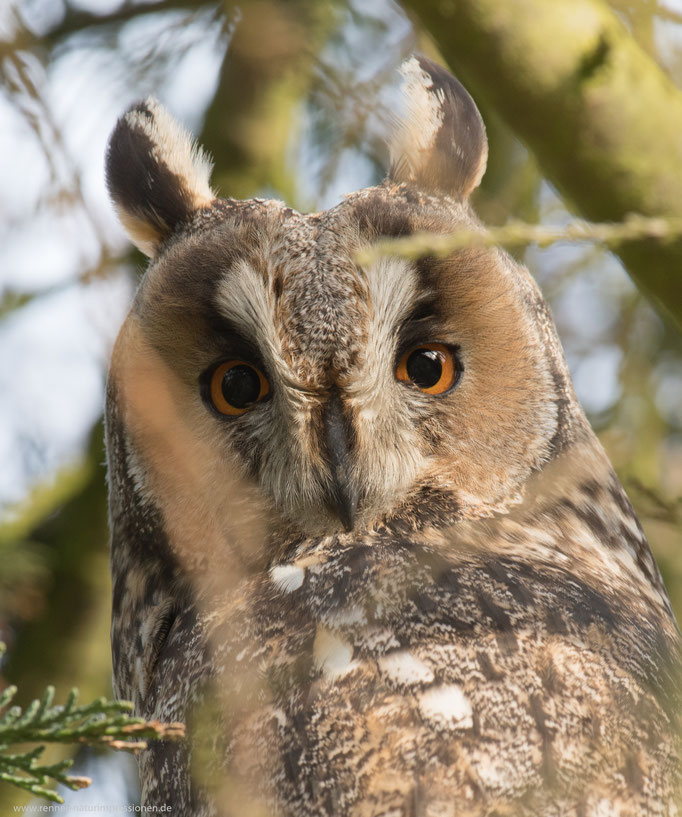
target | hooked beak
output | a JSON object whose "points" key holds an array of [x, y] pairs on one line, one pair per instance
{"points": [[343, 498]]}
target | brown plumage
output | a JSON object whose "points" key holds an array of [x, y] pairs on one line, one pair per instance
{"points": [[360, 524]]}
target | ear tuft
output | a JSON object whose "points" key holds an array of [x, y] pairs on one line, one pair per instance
{"points": [[439, 143], [156, 175]]}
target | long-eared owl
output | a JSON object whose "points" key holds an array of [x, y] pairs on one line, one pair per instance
{"points": [[364, 541]]}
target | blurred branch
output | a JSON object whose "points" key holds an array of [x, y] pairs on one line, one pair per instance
{"points": [[30, 99], [602, 118], [669, 15], [658, 508], [44, 500], [77, 21], [56, 617], [516, 233], [66, 521], [11, 299], [265, 76]]}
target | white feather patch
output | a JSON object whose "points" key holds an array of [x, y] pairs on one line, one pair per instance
{"points": [[447, 705], [287, 578], [243, 298], [414, 132], [402, 667], [393, 293], [333, 655]]}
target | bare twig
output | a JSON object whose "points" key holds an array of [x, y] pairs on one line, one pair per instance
{"points": [[516, 233]]}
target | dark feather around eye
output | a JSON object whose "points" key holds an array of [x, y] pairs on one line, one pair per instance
{"points": [[230, 342], [419, 325]]}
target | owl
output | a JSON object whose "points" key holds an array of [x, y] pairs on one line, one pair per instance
{"points": [[364, 540]]}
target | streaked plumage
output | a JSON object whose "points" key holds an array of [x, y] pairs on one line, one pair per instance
{"points": [[393, 602]]}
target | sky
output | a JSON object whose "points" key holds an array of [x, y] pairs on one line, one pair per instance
{"points": [[54, 351]]}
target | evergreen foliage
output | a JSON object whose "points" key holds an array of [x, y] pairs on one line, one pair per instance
{"points": [[100, 723]]}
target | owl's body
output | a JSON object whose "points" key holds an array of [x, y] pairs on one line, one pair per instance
{"points": [[401, 590]]}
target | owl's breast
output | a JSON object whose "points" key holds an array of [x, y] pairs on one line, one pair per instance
{"points": [[386, 677]]}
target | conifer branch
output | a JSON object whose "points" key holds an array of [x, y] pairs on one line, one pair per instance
{"points": [[100, 723]]}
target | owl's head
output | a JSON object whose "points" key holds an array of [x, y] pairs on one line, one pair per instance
{"points": [[258, 349]]}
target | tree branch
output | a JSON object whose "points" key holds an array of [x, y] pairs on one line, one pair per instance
{"points": [[100, 723], [602, 118], [76, 21], [516, 234]]}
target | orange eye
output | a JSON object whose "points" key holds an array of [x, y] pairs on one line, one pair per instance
{"points": [[236, 385], [432, 367]]}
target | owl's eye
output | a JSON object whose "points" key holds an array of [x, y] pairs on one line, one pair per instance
{"points": [[432, 367], [236, 385]]}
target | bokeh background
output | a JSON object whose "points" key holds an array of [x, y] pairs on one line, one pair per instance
{"points": [[293, 100]]}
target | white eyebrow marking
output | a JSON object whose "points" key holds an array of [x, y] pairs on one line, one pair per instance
{"points": [[392, 284], [392, 290], [243, 298]]}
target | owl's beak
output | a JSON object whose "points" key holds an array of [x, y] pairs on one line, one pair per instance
{"points": [[343, 498]]}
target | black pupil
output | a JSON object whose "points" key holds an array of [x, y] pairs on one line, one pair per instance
{"points": [[241, 386], [424, 368]]}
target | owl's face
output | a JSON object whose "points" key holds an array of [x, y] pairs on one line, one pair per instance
{"points": [[342, 394]]}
